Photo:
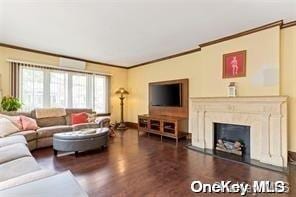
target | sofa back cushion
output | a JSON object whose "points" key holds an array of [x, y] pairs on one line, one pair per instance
{"points": [[71, 111], [50, 112], [49, 121], [28, 114], [15, 117], [54, 121]]}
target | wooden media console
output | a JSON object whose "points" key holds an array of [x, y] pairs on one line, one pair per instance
{"points": [[168, 126], [167, 121]]}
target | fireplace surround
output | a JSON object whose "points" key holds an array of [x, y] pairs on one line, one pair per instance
{"points": [[266, 117]]}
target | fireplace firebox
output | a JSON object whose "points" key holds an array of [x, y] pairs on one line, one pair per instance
{"points": [[232, 141]]}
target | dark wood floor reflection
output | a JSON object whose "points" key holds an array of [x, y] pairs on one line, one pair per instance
{"points": [[144, 166]]}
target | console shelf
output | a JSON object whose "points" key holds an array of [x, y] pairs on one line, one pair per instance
{"points": [[168, 126]]}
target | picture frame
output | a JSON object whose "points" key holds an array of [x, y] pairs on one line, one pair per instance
{"points": [[234, 64]]}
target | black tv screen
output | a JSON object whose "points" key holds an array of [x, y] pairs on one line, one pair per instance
{"points": [[166, 95]]}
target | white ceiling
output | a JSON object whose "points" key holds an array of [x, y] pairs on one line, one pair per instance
{"points": [[128, 32]]}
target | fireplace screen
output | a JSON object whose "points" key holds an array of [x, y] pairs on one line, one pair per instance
{"points": [[233, 139]]}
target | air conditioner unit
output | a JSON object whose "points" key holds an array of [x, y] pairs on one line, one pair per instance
{"points": [[73, 64]]}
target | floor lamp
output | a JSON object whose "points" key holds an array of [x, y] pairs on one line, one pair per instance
{"points": [[122, 92]]}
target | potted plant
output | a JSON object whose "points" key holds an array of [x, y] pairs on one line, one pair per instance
{"points": [[10, 104]]}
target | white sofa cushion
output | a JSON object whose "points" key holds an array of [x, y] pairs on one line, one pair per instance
{"points": [[12, 140], [13, 151], [16, 120], [18, 167], [7, 127], [26, 178]]}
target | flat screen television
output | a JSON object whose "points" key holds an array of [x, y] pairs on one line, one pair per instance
{"points": [[167, 95]]}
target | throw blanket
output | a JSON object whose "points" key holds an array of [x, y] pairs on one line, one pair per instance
{"points": [[50, 112], [103, 121]]}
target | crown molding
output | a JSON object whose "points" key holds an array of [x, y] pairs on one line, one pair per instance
{"points": [[289, 24], [243, 33], [58, 55], [166, 58]]}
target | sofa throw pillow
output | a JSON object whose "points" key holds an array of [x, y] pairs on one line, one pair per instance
{"points": [[7, 127], [16, 120], [78, 118], [29, 123]]}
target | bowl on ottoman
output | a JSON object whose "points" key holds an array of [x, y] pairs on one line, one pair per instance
{"points": [[78, 141]]}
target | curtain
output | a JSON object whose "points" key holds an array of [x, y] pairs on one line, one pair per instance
{"points": [[14, 77]]}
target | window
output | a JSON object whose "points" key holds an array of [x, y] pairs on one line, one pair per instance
{"points": [[40, 87], [32, 89], [100, 95], [79, 89], [58, 89]]}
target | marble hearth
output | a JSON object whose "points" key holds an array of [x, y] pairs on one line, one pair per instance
{"points": [[266, 116]]}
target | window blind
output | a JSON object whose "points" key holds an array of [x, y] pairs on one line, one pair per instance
{"points": [[39, 86]]}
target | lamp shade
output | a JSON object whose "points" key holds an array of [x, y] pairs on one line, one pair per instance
{"points": [[121, 91]]}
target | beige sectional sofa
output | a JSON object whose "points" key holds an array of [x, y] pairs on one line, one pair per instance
{"points": [[18, 167], [42, 137], [20, 172]]}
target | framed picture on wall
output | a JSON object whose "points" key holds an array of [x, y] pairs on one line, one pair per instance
{"points": [[234, 64]]}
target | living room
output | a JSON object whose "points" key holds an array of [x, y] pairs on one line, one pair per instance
{"points": [[147, 104]]}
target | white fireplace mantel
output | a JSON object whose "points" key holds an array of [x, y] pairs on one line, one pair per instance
{"points": [[266, 116]]}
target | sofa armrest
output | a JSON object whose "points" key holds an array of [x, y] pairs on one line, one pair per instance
{"points": [[102, 114]]}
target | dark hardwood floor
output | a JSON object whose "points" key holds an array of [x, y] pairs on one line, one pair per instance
{"points": [[144, 166]]}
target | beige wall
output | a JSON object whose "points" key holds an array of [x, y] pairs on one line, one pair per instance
{"points": [[271, 70], [288, 79], [118, 79], [266, 50], [204, 70]]}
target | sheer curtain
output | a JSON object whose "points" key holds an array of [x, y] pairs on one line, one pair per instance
{"points": [[31, 87], [39, 86]]}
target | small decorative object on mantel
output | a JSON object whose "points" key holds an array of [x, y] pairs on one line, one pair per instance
{"points": [[232, 89], [234, 64]]}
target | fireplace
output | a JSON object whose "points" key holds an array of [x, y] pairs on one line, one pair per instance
{"points": [[261, 122], [232, 142]]}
